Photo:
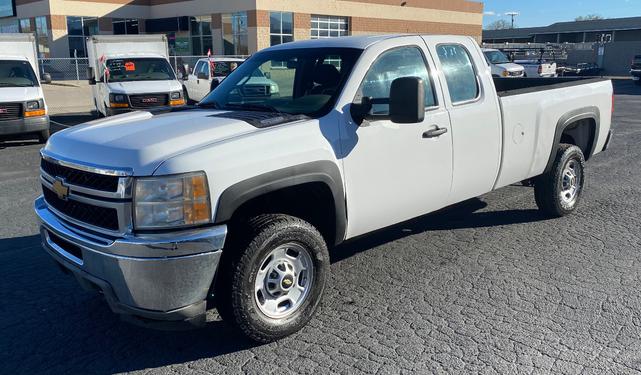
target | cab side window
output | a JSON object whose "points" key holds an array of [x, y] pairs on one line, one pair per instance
{"points": [[393, 64], [459, 72], [204, 69], [197, 68]]}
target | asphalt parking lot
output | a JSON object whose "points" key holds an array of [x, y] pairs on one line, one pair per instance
{"points": [[488, 286]]}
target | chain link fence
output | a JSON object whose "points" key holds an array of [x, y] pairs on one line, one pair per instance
{"points": [[70, 92], [75, 69]]}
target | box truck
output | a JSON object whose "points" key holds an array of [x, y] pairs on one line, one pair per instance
{"points": [[22, 105], [132, 72]]}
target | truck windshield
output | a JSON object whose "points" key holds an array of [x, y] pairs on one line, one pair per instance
{"points": [[496, 57], [302, 81], [139, 69], [16, 73]]}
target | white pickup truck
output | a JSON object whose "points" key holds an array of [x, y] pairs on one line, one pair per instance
{"points": [[236, 201]]}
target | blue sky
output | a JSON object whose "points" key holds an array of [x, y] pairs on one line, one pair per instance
{"points": [[545, 12]]}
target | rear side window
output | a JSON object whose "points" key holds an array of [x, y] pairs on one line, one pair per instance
{"points": [[393, 64], [459, 72]]}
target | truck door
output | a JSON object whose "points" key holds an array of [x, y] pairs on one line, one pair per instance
{"points": [[395, 172], [474, 115]]}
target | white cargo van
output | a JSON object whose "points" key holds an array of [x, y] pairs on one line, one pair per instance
{"points": [[22, 104], [131, 72]]}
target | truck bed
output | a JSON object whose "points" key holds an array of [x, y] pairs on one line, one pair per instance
{"points": [[518, 86], [533, 108]]}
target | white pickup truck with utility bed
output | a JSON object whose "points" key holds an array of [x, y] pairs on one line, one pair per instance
{"points": [[235, 202]]}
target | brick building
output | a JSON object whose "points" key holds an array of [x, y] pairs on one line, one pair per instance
{"points": [[232, 27]]}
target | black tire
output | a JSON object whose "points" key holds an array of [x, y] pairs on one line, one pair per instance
{"points": [[235, 292], [638, 82], [43, 136], [186, 95], [548, 187]]}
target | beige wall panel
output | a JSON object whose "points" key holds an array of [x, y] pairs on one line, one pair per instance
{"points": [[350, 8]]}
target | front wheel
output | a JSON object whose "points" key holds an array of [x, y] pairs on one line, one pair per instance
{"points": [[273, 277], [558, 192], [43, 136]]}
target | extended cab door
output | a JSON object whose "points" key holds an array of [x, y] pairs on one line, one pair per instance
{"points": [[474, 115], [394, 172], [198, 87]]}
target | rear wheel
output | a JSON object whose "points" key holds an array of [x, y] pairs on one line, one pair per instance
{"points": [[558, 192], [272, 277], [186, 94]]}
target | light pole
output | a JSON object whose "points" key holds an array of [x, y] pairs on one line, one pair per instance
{"points": [[513, 15]]}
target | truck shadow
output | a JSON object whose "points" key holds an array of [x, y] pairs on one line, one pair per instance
{"points": [[51, 326]]}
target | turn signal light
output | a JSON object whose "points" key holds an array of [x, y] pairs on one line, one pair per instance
{"points": [[35, 113], [119, 105], [177, 102]]}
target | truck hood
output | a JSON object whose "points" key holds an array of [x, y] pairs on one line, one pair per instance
{"points": [[141, 141], [19, 94], [143, 87], [510, 67]]}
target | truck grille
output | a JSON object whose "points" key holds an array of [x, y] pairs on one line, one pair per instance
{"points": [[255, 90], [10, 111], [80, 178], [102, 217], [518, 73], [149, 100]]}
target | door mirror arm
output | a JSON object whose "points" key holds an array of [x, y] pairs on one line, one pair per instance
{"points": [[360, 111]]}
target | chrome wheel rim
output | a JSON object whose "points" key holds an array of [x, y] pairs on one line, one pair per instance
{"points": [[571, 182], [284, 280]]}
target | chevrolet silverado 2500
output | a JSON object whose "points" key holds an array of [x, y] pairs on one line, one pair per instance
{"points": [[236, 201]]}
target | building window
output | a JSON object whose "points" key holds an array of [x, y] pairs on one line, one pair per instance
{"points": [[281, 28], [11, 26], [235, 34], [42, 36], [127, 26], [329, 27], [78, 29], [201, 41], [26, 26]]}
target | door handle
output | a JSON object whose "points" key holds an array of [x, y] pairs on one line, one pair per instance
{"points": [[435, 133]]}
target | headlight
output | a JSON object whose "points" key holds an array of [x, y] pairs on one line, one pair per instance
{"points": [[171, 201], [33, 105], [35, 108], [176, 98], [118, 101], [273, 88]]}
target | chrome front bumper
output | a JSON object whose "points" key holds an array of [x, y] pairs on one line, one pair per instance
{"points": [[163, 277]]}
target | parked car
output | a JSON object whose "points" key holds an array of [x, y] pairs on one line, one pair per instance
{"points": [[538, 68], [23, 110], [579, 70], [207, 75], [235, 203], [131, 72], [635, 69], [501, 65]]}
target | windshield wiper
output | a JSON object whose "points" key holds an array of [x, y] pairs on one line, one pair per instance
{"points": [[253, 107]]}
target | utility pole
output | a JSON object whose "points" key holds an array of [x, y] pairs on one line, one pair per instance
{"points": [[513, 15]]}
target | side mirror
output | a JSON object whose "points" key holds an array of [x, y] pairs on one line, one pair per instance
{"points": [[407, 100], [202, 76], [268, 75], [46, 78], [91, 76]]}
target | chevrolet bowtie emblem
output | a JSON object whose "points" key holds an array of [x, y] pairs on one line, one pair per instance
{"points": [[60, 189]]}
